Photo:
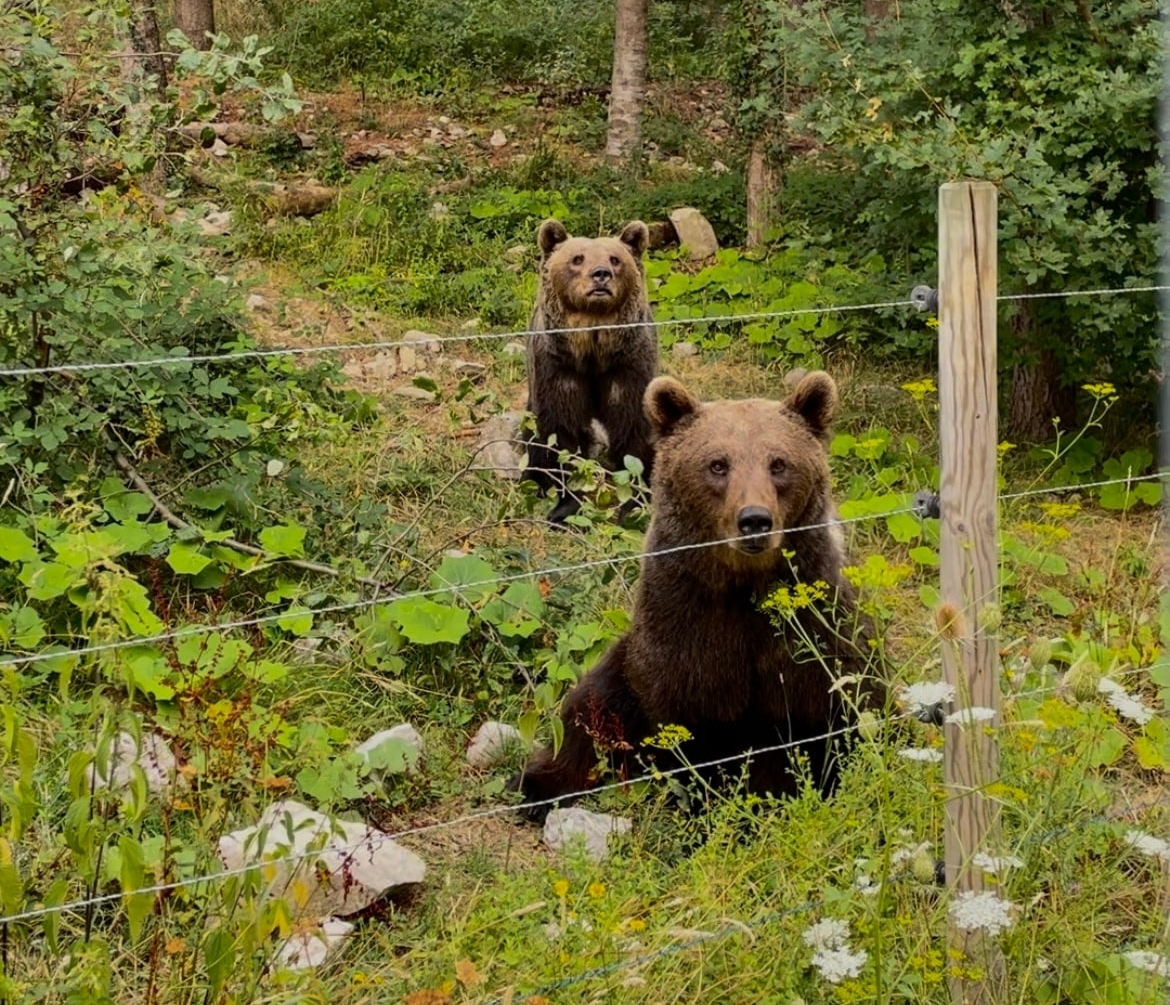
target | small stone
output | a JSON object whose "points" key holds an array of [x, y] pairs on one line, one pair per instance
{"points": [[468, 368], [325, 866], [424, 342], [684, 349], [383, 366], [407, 359], [216, 224], [312, 946], [154, 757], [255, 302], [500, 449], [404, 733], [308, 141], [491, 744], [718, 123], [219, 148], [414, 393], [718, 167], [498, 139], [443, 120], [695, 233], [564, 827], [514, 349]]}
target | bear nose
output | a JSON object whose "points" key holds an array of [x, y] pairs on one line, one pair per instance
{"points": [[601, 275], [754, 520]]}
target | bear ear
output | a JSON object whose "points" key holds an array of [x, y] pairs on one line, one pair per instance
{"points": [[636, 236], [815, 401], [668, 404], [550, 236]]}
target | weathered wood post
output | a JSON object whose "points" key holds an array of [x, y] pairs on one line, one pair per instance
{"points": [[968, 621]]}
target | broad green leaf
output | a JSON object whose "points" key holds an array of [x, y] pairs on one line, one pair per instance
{"points": [[286, 540], [47, 580], [219, 956], [425, 622], [17, 546], [1056, 601], [132, 876], [904, 527], [298, 620], [471, 575], [28, 629], [186, 559]]}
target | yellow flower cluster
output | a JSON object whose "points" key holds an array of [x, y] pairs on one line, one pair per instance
{"points": [[668, 737], [789, 599], [1060, 510], [919, 389]]}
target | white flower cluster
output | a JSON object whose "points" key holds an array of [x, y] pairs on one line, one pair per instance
{"points": [[924, 754], [981, 912], [1123, 703], [829, 940], [996, 864], [1147, 844], [927, 694], [1155, 963], [968, 716]]}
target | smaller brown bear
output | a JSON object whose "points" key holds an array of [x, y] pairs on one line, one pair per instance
{"points": [[578, 377], [753, 476]]}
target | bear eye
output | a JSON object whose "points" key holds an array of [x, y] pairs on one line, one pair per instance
{"points": [[718, 467], [778, 466], [578, 259], [614, 261]]}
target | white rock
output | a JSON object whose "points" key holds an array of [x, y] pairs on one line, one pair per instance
{"points": [[718, 167], [312, 946], [414, 393], [491, 744], [499, 139], [219, 148], [383, 366], [514, 349], [423, 342], [404, 732], [407, 359], [154, 757], [216, 224], [467, 367], [500, 449], [694, 233], [321, 867], [255, 302], [684, 349], [563, 827]]}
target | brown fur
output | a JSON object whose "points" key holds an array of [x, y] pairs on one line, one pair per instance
{"points": [[578, 377], [700, 653]]}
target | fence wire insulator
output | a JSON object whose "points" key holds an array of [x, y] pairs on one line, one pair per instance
{"points": [[924, 298], [926, 505]]}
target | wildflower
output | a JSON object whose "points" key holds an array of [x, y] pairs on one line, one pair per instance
{"points": [[919, 389], [906, 854], [925, 754], [668, 737], [926, 694], [830, 933], [981, 912], [996, 864], [1004, 447], [561, 888], [864, 884], [1123, 703], [1083, 679], [789, 599], [969, 716], [1060, 510], [1147, 844], [1155, 963], [837, 964], [596, 890], [1101, 390]]}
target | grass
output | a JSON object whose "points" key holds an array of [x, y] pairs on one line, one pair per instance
{"points": [[712, 907]]}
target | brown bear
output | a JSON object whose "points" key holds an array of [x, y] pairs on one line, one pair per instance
{"points": [[753, 476], [598, 374]]}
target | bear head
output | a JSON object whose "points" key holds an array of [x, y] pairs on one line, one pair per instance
{"points": [[743, 472], [592, 275]]}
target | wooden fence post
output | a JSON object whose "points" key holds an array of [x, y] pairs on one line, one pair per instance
{"points": [[968, 553]]}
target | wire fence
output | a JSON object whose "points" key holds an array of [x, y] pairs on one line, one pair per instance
{"points": [[181, 359]]}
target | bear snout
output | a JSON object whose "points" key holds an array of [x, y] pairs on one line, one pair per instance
{"points": [[601, 275], [753, 522]]}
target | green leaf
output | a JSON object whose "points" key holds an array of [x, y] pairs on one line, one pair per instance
{"points": [[425, 622], [219, 956], [1056, 601], [924, 555], [904, 527], [132, 876], [151, 674], [17, 546], [298, 620], [28, 629], [48, 580], [517, 613], [286, 540], [186, 559], [472, 577]]}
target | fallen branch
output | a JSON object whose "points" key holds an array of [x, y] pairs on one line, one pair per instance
{"points": [[179, 523], [284, 200]]}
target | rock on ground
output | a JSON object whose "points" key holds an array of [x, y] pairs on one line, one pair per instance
{"points": [[313, 945], [337, 867], [403, 732], [694, 232], [564, 827], [491, 744], [500, 449], [154, 757]]}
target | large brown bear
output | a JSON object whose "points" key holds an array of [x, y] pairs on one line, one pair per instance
{"points": [[700, 653], [577, 377]]}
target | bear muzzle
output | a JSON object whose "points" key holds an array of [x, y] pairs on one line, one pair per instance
{"points": [[758, 528]]}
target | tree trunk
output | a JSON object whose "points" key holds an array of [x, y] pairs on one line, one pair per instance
{"points": [[196, 20], [875, 10], [1037, 396], [628, 91], [144, 66], [762, 190]]}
